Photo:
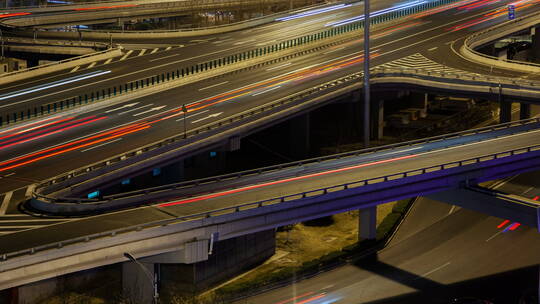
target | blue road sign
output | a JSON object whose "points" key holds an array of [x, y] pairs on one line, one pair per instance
{"points": [[511, 12]]}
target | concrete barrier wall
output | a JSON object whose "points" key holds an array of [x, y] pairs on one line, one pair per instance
{"points": [[494, 33], [58, 66]]}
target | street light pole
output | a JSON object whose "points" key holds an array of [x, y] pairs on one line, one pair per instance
{"points": [[152, 278], [2, 41], [184, 109], [366, 126]]}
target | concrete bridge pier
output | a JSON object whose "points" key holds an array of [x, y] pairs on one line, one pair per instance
{"points": [[535, 48], [200, 264], [299, 136], [377, 119], [367, 225], [505, 113], [524, 110]]}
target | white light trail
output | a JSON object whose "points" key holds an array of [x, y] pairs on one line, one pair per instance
{"points": [[53, 84]]}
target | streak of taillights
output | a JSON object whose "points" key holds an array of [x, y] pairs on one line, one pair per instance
{"points": [[283, 181], [73, 148], [503, 224], [492, 15], [14, 15], [311, 299], [33, 126], [115, 131], [54, 130], [295, 298]]}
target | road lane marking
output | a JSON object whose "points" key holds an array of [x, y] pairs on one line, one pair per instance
{"points": [[279, 66], [5, 202], [145, 106], [433, 49], [108, 61], [98, 146], [168, 48], [266, 91], [164, 57], [214, 85], [432, 271], [151, 110], [198, 113], [493, 236], [29, 190], [207, 117], [122, 107], [126, 55], [142, 52], [154, 51], [335, 50]]}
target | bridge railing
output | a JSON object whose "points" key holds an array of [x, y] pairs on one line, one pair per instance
{"points": [[258, 171], [353, 79], [283, 199], [324, 38]]}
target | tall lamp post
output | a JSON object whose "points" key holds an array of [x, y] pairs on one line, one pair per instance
{"points": [[152, 278], [366, 75], [184, 109], [2, 41]]}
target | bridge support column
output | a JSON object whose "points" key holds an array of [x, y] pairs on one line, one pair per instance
{"points": [[377, 119], [299, 136], [524, 110], [367, 223], [505, 113], [535, 48], [228, 258]]}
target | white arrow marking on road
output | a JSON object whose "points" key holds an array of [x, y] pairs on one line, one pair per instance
{"points": [[152, 109], [136, 109], [209, 116], [122, 107]]}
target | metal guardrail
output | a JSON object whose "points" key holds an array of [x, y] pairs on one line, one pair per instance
{"points": [[472, 41], [273, 201], [377, 73], [258, 171], [332, 32]]}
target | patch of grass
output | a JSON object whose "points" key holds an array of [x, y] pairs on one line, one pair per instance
{"points": [[308, 254]]}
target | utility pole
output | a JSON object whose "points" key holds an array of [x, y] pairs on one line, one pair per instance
{"points": [[366, 75], [2, 41]]}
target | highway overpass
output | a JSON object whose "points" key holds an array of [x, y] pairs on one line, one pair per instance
{"points": [[423, 37]]}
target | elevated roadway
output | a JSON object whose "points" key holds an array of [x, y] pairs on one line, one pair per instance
{"points": [[272, 199], [450, 254], [424, 37], [207, 101]]}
